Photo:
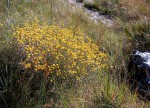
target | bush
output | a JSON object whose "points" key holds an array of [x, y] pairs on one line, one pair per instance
{"points": [[109, 7], [62, 55], [58, 52], [105, 7]]}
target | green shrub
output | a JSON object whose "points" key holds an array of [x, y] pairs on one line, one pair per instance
{"points": [[107, 7]]}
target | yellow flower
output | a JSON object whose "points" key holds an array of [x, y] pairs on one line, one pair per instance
{"points": [[58, 51], [27, 66]]}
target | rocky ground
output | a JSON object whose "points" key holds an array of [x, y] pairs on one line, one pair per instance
{"points": [[93, 15]]}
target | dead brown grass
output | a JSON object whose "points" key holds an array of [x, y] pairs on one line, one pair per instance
{"points": [[134, 9]]}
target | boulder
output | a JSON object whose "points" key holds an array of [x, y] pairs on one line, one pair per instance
{"points": [[139, 72]]}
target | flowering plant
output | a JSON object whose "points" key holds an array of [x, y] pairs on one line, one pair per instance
{"points": [[58, 51]]}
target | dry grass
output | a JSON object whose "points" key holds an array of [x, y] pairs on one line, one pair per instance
{"points": [[135, 10], [98, 90]]}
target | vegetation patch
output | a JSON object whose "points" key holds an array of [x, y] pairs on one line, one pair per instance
{"points": [[46, 64], [58, 51]]}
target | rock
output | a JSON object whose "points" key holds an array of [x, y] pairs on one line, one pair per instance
{"points": [[139, 72], [93, 11]]}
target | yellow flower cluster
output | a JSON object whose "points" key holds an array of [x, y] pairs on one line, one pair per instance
{"points": [[58, 51]]}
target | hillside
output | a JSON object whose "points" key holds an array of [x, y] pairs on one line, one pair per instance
{"points": [[71, 53]]}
